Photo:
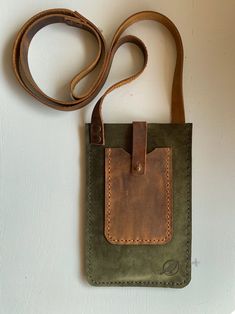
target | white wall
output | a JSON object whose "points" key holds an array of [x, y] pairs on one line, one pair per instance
{"points": [[42, 156]]}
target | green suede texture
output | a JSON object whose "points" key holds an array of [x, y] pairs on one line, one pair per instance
{"points": [[167, 265]]}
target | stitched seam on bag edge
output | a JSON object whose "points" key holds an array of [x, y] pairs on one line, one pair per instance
{"points": [[168, 217], [89, 224], [147, 283]]}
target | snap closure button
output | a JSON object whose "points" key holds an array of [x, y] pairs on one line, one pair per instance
{"points": [[138, 167], [96, 139]]}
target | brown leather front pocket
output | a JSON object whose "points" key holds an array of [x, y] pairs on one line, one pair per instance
{"points": [[138, 209]]}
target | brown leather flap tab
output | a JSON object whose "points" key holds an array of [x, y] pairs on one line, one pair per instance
{"points": [[138, 208], [139, 146]]}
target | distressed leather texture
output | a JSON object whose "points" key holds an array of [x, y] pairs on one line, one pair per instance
{"points": [[138, 208], [167, 265]]}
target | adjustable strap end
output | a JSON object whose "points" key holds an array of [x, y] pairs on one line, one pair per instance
{"points": [[139, 148]]}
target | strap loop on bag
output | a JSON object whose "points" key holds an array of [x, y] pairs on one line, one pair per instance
{"points": [[103, 57]]}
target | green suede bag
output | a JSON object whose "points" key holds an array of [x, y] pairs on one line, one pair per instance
{"points": [[166, 265], [138, 199]]}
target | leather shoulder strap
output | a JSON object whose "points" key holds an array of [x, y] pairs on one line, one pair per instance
{"points": [[104, 58]]}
